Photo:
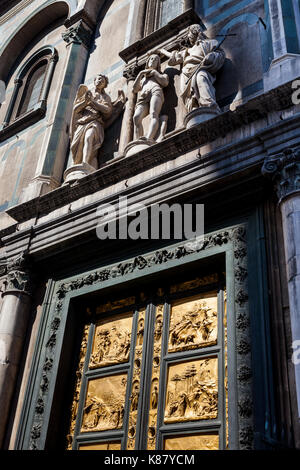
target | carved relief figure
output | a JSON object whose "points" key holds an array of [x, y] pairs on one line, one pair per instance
{"points": [[154, 397], [93, 111], [104, 406], [192, 391], [112, 343], [200, 61], [150, 83], [140, 332], [193, 324], [135, 398], [158, 329]]}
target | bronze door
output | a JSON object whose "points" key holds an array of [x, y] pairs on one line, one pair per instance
{"points": [[152, 372]]}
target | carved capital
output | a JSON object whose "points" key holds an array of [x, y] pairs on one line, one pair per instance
{"points": [[284, 170], [78, 34], [131, 72], [18, 276]]}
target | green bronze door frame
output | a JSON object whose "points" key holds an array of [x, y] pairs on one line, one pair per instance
{"points": [[230, 243]]}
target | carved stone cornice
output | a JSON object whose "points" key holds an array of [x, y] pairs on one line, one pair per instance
{"points": [[18, 275], [78, 34], [284, 170]]}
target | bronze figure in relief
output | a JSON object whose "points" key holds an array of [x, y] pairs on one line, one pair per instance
{"points": [[192, 391], [104, 406], [112, 342], [193, 324]]}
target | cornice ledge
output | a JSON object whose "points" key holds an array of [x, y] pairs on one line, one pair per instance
{"points": [[170, 148]]}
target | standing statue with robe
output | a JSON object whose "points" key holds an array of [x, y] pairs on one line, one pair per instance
{"points": [[201, 60], [93, 112]]}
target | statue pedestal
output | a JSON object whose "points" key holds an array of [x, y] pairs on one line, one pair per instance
{"points": [[199, 115], [75, 172], [137, 145]]}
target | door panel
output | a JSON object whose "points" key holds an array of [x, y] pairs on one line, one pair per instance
{"points": [[154, 376], [192, 442]]}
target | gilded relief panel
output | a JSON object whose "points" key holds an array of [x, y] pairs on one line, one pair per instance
{"points": [[192, 391], [208, 441], [111, 341], [104, 404], [193, 323], [113, 445]]}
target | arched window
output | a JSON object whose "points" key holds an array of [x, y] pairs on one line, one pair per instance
{"points": [[29, 98], [33, 87]]}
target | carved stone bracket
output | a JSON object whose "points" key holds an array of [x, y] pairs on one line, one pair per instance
{"points": [[78, 34], [284, 170]]}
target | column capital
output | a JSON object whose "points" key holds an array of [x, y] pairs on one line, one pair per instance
{"points": [[18, 276], [78, 34], [284, 170], [131, 71]]}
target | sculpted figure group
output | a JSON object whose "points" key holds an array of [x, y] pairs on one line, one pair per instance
{"points": [[93, 110]]}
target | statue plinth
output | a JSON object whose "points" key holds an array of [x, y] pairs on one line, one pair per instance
{"points": [[76, 172], [137, 146], [199, 115]]}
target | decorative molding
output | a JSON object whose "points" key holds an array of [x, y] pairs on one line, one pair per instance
{"points": [[236, 236], [171, 147], [13, 11], [243, 339], [246, 438], [78, 34], [244, 374], [284, 171], [245, 407]]}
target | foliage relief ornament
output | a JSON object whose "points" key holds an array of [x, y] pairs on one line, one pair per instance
{"points": [[284, 170]]}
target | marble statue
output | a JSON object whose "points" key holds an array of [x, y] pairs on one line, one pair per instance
{"points": [[200, 61], [93, 112], [149, 84]]}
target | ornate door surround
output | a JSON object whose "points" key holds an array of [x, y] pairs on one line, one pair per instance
{"points": [[231, 245]]}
